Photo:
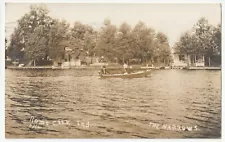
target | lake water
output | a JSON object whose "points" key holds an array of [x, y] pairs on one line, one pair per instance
{"points": [[78, 104]]}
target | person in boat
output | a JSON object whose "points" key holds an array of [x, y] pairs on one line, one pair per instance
{"points": [[103, 69], [125, 66]]}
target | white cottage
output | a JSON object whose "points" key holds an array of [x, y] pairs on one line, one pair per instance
{"points": [[183, 60]]}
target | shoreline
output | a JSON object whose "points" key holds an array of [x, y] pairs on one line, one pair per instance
{"points": [[112, 68]]}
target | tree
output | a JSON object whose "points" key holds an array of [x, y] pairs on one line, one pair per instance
{"points": [[106, 44], [187, 45], [59, 33], [15, 49], [83, 39], [162, 50], [204, 39], [39, 36], [217, 39], [38, 16], [184, 46], [36, 21], [90, 42], [36, 48], [144, 42], [217, 44], [123, 48], [205, 34]]}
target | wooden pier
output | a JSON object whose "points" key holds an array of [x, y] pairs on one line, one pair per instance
{"points": [[204, 68]]}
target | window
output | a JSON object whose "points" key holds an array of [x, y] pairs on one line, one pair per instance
{"points": [[181, 58], [197, 57]]}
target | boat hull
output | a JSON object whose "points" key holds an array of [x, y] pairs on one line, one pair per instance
{"points": [[130, 75]]}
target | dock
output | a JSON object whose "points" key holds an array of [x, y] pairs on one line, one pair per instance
{"points": [[204, 68]]}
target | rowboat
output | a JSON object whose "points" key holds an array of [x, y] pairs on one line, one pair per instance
{"points": [[138, 74]]}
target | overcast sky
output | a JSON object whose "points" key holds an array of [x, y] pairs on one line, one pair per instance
{"points": [[171, 19]]}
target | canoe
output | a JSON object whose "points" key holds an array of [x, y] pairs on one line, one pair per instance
{"points": [[127, 75]]}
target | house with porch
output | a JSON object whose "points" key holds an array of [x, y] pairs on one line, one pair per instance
{"points": [[184, 60]]}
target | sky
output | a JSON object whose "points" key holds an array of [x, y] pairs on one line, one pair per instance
{"points": [[171, 19]]}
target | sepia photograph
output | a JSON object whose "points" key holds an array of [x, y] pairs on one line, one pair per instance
{"points": [[113, 70]]}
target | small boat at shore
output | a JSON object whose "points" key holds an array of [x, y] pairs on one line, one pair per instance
{"points": [[138, 74]]}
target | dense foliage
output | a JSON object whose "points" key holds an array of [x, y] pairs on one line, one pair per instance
{"points": [[39, 37], [203, 39]]}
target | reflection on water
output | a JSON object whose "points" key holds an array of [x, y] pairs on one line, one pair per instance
{"points": [[112, 108]]}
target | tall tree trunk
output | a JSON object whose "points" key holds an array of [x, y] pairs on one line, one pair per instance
{"points": [[203, 59], [35, 62], [209, 61], [195, 61], [187, 60], [195, 58], [151, 60]]}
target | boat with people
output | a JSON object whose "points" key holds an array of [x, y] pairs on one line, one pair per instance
{"points": [[138, 74]]}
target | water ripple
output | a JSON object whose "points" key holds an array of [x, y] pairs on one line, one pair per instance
{"points": [[112, 108]]}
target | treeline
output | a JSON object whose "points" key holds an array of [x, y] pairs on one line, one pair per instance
{"points": [[203, 39], [40, 37]]}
